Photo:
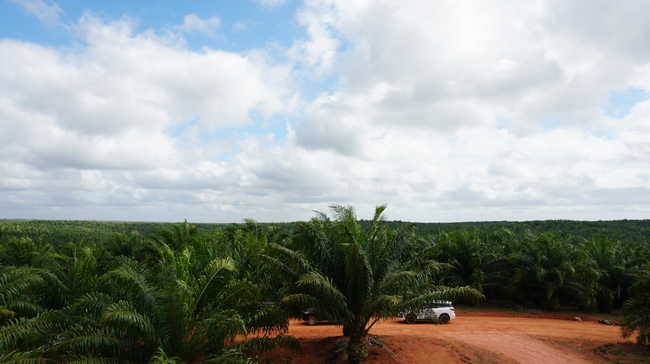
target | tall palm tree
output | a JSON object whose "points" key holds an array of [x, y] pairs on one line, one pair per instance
{"points": [[636, 310], [357, 276]]}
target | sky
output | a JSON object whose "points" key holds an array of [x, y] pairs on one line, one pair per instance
{"points": [[459, 110]]}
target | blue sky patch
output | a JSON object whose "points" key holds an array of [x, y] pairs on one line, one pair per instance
{"points": [[620, 103], [553, 124], [241, 22]]}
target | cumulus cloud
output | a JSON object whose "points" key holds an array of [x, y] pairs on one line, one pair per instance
{"points": [[112, 107], [447, 111], [506, 57], [316, 56], [514, 92]]}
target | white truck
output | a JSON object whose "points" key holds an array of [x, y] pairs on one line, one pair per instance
{"points": [[442, 310]]}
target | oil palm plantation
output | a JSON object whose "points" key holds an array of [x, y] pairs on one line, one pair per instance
{"points": [[189, 310], [617, 262], [472, 262], [16, 287], [357, 276], [178, 311], [636, 310], [138, 322], [548, 267], [179, 237]]}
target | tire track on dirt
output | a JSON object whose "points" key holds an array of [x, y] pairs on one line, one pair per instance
{"points": [[520, 347]]}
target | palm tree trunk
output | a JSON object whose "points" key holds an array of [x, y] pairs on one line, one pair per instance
{"points": [[357, 349]]}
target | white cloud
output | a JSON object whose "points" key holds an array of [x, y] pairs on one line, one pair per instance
{"points": [[445, 110], [77, 121], [192, 23], [48, 13], [452, 74], [316, 56], [500, 56]]}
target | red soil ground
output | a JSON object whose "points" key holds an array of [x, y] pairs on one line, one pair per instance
{"points": [[470, 338]]}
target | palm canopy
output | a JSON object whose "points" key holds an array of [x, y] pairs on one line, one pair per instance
{"points": [[185, 308], [15, 286], [636, 310], [617, 262], [474, 261], [359, 274], [548, 267]]}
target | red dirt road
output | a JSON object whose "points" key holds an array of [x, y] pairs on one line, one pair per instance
{"points": [[469, 339]]}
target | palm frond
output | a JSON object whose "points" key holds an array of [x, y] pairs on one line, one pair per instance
{"points": [[102, 342], [19, 330], [15, 281], [214, 278], [130, 283], [160, 357], [24, 308], [359, 273], [6, 313], [213, 332], [260, 345], [324, 288], [268, 319], [123, 316], [227, 356], [85, 359], [94, 302], [25, 357], [237, 292]]}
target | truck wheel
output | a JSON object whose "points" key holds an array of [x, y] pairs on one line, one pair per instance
{"points": [[311, 320], [444, 319], [410, 319]]}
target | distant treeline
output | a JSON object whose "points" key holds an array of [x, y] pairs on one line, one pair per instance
{"points": [[627, 231], [76, 231], [65, 231]]}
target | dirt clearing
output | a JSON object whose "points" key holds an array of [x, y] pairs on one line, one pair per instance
{"points": [[467, 339]]}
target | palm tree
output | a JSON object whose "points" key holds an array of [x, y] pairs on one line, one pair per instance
{"points": [[80, 268], [185, 318], [174, 315], [636, 310], [20, 251], [357, 276], [617, 262], [548, 266], [179, 237], [472, 262]]}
